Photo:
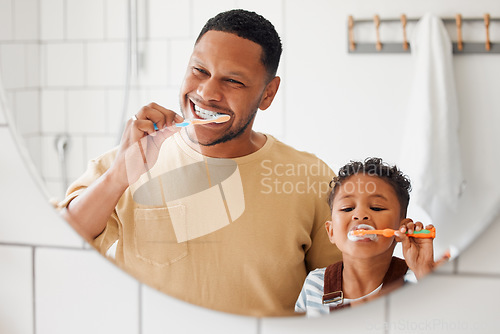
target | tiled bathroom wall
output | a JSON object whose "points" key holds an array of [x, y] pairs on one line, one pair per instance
{"points": [[64, 61]]}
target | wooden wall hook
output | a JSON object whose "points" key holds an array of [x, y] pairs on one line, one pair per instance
{"points": [[376, 20], [352, 45], [458, 20], [403, 23], [487, 26]]}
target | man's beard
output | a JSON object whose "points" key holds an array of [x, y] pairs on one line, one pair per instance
{"points": [[232, 134]]}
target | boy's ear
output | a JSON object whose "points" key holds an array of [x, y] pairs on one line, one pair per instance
{"points": [[329, 230]]}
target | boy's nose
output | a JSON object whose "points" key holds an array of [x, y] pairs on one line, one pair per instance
{"points": [[361, 215]]}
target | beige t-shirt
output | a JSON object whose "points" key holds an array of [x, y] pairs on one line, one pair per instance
{"points": [[235, 235]]}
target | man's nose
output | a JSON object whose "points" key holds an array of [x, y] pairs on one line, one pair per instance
{"points": [[209, 90]]}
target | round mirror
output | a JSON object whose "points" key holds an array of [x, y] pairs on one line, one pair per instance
{"points": [[73, 84]]}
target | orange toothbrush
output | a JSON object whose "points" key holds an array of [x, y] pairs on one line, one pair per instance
{"points": [[218, 119], [426, 234]]}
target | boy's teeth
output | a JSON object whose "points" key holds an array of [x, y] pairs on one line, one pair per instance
{"points": [[206, 114]]}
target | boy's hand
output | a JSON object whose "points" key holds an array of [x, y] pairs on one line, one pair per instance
{"points": [[418, 252]]}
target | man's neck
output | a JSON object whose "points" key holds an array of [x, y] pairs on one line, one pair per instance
{"points": [[235, 148]]}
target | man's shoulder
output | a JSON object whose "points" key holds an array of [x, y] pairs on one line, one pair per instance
{"points": [[282, 148]]}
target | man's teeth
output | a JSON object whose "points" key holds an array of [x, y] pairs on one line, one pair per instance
{"points": [[205, 114]]}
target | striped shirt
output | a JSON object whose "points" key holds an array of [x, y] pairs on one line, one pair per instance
{"points": [[310, 300]]}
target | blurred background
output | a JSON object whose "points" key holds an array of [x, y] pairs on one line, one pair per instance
{"points": [[74, 71]]}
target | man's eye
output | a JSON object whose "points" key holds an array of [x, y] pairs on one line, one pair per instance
{"points": [[200, 70], [235, 82]]}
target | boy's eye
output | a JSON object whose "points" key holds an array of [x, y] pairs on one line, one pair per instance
{"points": [[346, 209], [377, 208]]}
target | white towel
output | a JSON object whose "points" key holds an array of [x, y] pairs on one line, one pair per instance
{"points": [[430, 146]]}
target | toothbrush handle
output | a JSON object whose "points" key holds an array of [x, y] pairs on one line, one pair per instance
{"points": [[424, 234], [194, 121]]}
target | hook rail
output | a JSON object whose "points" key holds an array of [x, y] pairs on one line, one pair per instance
{"points": [[459, 46]]}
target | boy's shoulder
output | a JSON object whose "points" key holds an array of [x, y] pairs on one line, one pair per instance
{"points": [[316, 276]]}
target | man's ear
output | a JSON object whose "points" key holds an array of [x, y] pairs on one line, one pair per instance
{"points": [[269, 93], [329, 230]]}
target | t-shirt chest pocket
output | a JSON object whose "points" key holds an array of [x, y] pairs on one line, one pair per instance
{"points": [[156, 234]]}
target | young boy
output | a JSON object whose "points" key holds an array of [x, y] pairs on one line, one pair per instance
{"points": [[365, 196]]}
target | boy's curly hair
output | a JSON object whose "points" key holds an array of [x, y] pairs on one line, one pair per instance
{"points": [[375, 167]]}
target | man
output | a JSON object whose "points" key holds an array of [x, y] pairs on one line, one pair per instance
{"points": [[220, 216]]}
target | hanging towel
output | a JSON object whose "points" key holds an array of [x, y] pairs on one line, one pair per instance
{"points": [[430, 145]]}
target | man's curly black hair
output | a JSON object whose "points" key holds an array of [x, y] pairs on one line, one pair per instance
{"points": [[375, 167], [251, 26]]}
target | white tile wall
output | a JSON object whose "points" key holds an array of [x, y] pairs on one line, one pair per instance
{"points": [[116, 19], [52, 19], [86, 111], [72, 283], [97, 145], [482, 249], [63, 64], [6, 20], [166, 97], [32, 65], [179, 58], [51, 167], [76, 162], [203, 10], [153, 63], [137, 98], [16, 290], [53, 111], [85, 19], [12, 69], [271, 10], [163, 312], [19, 65], [3, 121], [368, 318], [21, 195], [34, 147], [27, 104], [26, 19], [169, 19], [106, 63], [445, 304]]}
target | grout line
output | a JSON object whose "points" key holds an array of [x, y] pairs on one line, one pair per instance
{"points": [[13, 23], [65, 20], [104, 20], [18, 244], [455, 265], [283, 67], [33, 269], [387, 306], [468, 274], [139, 311], [191, 18]]}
